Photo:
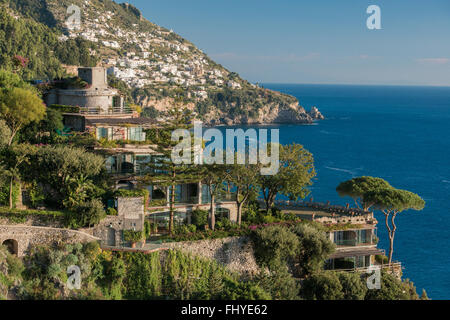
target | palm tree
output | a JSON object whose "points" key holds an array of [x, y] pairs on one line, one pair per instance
{"points": [[78, 190]]}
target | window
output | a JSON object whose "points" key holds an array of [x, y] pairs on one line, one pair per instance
{"points": [[222, 214], [111, 164], [102, 133], [116, 102], [136, 134], [206, 197], [142, 164]]}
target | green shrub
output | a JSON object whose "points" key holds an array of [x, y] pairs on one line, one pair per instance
{"points": [[274, 245], [382, 259], [106, 143], [313, 248], [64, 108], [199, 218], [37, 195], [252, 213], [279, 283], [148, 229], [393, 289], [111, 212], [322, 286], [157, 203], [21, 216], [353, 286], [226, 224], [244, 290], [87, 214], [4, 194], [133, 236], [134, 193], [185, 229]]}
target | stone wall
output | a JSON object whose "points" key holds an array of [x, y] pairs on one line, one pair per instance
{"points": [[26, 237], [130, 208], [132, 212], [109, 230], [235, 253]]}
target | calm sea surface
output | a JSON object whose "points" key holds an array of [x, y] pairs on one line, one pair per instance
{"points": [[401, 134]]}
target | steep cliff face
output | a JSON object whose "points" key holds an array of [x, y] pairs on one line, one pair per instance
{"points": [[158, 67], [272, 113]]}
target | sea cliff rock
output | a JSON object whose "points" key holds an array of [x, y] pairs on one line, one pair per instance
{"points": [[316, 114], [269, 114]]}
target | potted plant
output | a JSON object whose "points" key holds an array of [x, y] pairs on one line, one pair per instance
{"points": [[133, 237]]}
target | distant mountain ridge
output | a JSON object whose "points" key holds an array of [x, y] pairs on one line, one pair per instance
{"points": [[157, 68]]}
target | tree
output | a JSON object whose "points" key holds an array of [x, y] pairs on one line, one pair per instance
{"points": [[87, 214], [390, 202], [214, 176], [163, 171], [274, 246], [280, 283], [5, 133], [244, 177], [62, 168], [47, 127], [243, 290], [199, 218], [78, 190], [393, 288], [14, 157], [322, 286], [293, 178], [353, 287], [313, 249], [356, 188], [19, 107]]}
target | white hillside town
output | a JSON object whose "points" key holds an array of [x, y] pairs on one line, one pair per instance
{"points": [[157, 57]]}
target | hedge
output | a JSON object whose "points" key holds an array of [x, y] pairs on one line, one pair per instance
{"points": [[135, 193], [64, 108], [21, 216]]}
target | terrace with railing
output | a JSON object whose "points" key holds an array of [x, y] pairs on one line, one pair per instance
{"points": [[324, 212], [395, 268], [110, 111]]}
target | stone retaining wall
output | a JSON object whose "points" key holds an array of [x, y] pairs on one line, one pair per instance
{"points": [[235, 253], [25, 237]]}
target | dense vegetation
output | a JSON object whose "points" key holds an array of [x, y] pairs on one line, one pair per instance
{"points": [[106, 275], [171, 275], [39, 45]]}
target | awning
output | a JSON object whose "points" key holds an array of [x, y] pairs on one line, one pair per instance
{"points": [[357, 252]]}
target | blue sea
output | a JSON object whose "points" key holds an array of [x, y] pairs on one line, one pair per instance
{"points": [[401, 134]]}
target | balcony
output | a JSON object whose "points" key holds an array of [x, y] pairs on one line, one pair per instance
{"points": [[109, 111], [354, 242], [353, 238]]}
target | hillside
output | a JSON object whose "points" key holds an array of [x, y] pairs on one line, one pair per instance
{"points": [[160, 68]]}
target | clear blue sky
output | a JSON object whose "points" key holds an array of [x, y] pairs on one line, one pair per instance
{"points": [[317, 41]]}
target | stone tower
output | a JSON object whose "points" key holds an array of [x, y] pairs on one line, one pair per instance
{"points": [[95, 76]]}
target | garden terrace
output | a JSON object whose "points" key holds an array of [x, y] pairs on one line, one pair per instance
{"points": [[325, 213]]}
